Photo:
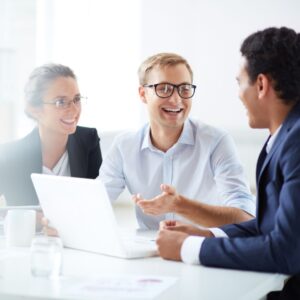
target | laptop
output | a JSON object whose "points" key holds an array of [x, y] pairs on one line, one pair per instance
{"points": [[80, 210]]}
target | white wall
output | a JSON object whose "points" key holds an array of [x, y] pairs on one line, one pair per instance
{"points": [[17, 57], [209, 34], [105, 41], [100, 41]]}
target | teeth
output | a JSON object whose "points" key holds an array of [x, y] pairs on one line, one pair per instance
{"points": [[172, 109]]}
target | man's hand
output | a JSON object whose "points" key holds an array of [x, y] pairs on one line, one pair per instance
{"points": [[169, 244], [164, 203], [189, 229]]}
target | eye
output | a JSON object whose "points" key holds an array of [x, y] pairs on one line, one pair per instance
{"points": [[186, 90], [186, 87], [77, 99], [164, 88], [60, 102]]}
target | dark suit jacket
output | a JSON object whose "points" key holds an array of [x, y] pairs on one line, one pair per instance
{"points": [[271, 242], [22, 157]]}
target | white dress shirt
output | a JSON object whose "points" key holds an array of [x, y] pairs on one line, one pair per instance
{"points": [[62, 168], [202, 165], [191, 246]]}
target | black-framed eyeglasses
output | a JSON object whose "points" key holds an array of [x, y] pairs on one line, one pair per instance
{"points": [[63, 103], [166, 90]]}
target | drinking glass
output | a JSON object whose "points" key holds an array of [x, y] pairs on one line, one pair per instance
{"points": [[46, 257]]}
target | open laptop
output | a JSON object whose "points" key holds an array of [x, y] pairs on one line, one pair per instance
{"points": [[80, 210]]}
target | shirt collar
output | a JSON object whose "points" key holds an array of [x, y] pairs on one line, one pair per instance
{"points": [[187, 136], [272, 139]]}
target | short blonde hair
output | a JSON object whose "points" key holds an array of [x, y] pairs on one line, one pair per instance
{"points": [[161, 60]]}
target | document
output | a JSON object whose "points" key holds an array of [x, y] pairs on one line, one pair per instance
{"points": [[123, 287]]}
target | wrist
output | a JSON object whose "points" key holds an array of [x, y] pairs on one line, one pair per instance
{"points": [[178, 204]]}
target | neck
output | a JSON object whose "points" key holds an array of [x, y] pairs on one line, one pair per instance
{"points": [[53, 146], [164, 138], [278, 115]]}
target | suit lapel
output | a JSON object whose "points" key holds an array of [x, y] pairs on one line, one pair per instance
{"points": [[290, 120], [76, 157], [261, 159], [281, 136], [35, 160]]}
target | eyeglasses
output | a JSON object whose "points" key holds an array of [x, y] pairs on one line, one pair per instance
{"points": [[165, 90], [63, 103]]}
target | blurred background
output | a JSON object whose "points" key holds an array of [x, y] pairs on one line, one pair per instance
{"points": [[105, 41]]}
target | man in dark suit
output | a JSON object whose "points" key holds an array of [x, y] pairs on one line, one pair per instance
{"points": [[269, 88]]}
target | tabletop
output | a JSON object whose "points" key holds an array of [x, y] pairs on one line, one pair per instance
{"points": [[188, 281]]}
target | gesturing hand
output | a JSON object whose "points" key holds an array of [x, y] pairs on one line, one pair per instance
{"points": [[164, 203]]}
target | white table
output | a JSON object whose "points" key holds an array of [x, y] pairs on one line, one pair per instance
{"points": [[193, 282]]}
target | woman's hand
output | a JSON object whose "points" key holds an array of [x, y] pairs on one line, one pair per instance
{"points": [[48, 230]]}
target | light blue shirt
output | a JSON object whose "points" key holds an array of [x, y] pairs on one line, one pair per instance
{"points": [[202, 166]]}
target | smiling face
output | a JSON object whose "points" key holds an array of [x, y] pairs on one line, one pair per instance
{"points": [[59, 120], [251, 97], [168, 112]]}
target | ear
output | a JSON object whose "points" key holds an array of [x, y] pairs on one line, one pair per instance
{"points": [[142, 93], [263, 85]]}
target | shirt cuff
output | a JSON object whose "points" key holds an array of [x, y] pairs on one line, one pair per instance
{"points": [[190, 250], [217, 232], [191, 246]]}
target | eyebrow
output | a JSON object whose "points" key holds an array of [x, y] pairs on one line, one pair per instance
{"points": [[167, 82], [65, 97]]}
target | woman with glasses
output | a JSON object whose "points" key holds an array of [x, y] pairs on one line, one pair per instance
{"points": [[56, 146]]}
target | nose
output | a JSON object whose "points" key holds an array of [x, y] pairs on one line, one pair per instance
{"points": [[175, 97]]}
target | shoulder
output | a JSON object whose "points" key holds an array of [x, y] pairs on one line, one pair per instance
{"points": [[207, 134], [21, 153], [291, 144], [86, 134], [86, 131], [130, 138], [21, 146]]}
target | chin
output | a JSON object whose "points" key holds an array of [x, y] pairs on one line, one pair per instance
{"points": [[72, 130], [254, 124], [69, 130]]}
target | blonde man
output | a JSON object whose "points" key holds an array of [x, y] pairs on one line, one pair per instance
{"points": [[174, 150]]}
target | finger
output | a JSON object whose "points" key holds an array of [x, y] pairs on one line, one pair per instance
{"points": [[167, 189], [172, 228], [145, 204], [44, 221], [162, 224], [49, 231], [169, 223], [39, 217], [150, 211], [177, 228], [135, 199]]}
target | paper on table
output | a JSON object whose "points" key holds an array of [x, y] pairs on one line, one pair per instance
{"points": [[130, 287]]}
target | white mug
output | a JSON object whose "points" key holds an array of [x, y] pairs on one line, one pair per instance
{"points": [[19, 227]]}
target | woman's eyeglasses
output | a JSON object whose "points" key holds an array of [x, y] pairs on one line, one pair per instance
{"points": [[64, 103]]}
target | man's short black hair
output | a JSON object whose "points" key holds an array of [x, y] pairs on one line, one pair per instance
{"points": [[275, 52]]}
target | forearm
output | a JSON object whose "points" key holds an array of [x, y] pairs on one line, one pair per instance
{"points": [[209, 215]]}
